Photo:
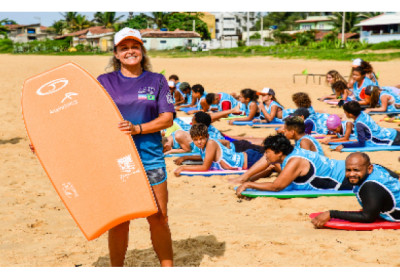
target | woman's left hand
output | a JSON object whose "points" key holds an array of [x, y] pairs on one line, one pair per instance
{"points": [[128, 128], [178, 171]]}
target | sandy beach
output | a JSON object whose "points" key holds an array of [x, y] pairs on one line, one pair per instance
{"points": [[210, 226]]}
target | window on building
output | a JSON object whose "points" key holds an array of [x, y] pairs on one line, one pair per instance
{"points": [[31, 30], [144, 41], [163, 41], [190, 41], [229, 29], [229, 18], [217, 20], [306, 27], [216, 30]]}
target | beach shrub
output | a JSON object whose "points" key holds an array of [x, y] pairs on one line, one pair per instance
{"points": [[394, 44], [6, 46]]}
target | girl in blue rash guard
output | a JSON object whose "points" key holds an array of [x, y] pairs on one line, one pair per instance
{"points": [[305, 169], [249, 105], [386, 100], [340, 132], [360, 83], [270, 108], [368, 132], [145, 103]]}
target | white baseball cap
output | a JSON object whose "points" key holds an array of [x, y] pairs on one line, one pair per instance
{"points": [[171, 84], [357, 62], [267, 91], [127, 33]]}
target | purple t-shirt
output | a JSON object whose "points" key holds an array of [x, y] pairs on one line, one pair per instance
{"points": [[141, 100]]}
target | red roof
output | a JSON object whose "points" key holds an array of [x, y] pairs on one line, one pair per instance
{"points": [[321, 34], [82, 33]]}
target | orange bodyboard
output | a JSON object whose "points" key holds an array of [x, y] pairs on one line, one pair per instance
{"points": [[95, 168]]}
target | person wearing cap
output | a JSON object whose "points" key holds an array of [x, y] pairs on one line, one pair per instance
{"points": [[270, 108], [369, 133], [339, 131], [382, 97], [146, 104], [355, 63], [177, 96]]}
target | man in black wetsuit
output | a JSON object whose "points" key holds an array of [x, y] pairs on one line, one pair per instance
{"points": [[377, 189]]}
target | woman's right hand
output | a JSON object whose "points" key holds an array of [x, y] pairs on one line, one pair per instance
{"points": [[179, 160]]}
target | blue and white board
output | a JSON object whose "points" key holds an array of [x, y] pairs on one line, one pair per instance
{"points": [[182, 154], [368, 149]]}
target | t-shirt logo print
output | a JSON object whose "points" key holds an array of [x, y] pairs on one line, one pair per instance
{"points": [[147, 93]]}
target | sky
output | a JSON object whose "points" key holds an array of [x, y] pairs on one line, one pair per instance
{"points": [[45, 18], [48, 11]]}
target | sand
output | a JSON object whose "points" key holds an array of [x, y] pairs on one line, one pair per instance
{"points": [[210, 226]]}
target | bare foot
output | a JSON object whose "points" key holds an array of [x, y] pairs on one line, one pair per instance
{"points": [[238, 180]]}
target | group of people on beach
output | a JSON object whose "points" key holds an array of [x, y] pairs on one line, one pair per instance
{"points": [[156, 131]]}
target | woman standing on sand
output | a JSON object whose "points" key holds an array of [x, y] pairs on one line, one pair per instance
{"points": [[145, 102]]}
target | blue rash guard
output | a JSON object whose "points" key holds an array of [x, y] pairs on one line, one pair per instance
{"points": [[382, 178], [370, 134], [317, 145], [324, 173], [358, 88], [229, 156], [246, 108], [226, 97], [268, 109], [394, 99], [175, 144]]}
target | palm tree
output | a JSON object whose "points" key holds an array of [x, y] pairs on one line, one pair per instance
{"points": [[351, 19], [58, 26], [106, 19], [367, 15], [70, 19], [81, 23], [160, 19]]}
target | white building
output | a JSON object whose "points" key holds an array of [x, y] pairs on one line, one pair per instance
{"points": [[382, 28], [232, 25], [166, 40]]}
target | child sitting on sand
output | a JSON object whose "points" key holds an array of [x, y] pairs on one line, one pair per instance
{"points": [[216, 156]]}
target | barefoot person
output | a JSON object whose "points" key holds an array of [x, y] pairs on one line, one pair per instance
{"points": [[145, 102], [377, 189]]}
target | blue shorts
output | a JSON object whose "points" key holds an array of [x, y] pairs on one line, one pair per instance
{"points": [[157, 176], [252, 157]]}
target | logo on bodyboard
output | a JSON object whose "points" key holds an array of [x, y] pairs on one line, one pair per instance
{"points": [[69, 190], [52, 86], [127, 167], [55, 86]]}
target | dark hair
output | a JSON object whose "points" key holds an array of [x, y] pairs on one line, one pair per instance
{"points": [[198, 88], [184, 86], [363, 155], [296, 124], [360, 70], [202, 117], [375, 94], [249, 93], [301, 112], [352, 107], [175, 77], [210, 98], [339, 86], [278, 143], [174, 115], [301, 99], [366, 66], [198, 129]]}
